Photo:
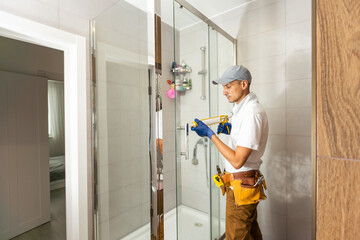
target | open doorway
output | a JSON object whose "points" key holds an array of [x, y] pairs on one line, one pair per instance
{"points": [[77, 162], [33, 136]]}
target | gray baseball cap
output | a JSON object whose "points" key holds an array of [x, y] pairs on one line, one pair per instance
{"points": [[237, 72]]}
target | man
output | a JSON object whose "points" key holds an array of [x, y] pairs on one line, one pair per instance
{"points": [[248, 137]]}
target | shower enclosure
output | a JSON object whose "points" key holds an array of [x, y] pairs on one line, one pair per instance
{"points": [[207, 53], [152, 182]]}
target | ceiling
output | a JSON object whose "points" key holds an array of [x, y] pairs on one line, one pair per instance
{"points": [[216, 10]]}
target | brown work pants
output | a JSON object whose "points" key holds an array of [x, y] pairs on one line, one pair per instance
{"points": [[241, 223]]}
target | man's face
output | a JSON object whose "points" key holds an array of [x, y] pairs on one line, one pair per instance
{"points": [[234, 91]]}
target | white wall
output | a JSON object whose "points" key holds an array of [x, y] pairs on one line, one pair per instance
{"points": [[34, 60], [274, 42], [69, 16], [26, 58]]}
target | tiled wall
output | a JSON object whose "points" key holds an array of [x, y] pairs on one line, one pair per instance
{"points": [[195, 178], [123, 120], [194, 187], [168, 118], [274, 42]]}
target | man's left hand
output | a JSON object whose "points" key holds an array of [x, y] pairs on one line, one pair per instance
{"points": [[202, 130]]}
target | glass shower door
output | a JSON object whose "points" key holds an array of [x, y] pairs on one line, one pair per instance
{"points": [[121, 81], [201, 55], [197, 196]]}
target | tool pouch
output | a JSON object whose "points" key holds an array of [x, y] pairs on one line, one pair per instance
{"points": [[247, 194]]}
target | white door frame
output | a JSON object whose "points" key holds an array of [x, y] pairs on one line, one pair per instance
{"points": [[76, 155]]}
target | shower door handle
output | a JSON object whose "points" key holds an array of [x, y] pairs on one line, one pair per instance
{"points": [[186, 140]]}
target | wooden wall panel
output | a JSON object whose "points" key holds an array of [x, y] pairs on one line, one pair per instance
{"points": [[338, 199], [338, 78]]}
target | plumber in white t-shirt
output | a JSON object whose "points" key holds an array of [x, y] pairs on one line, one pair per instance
{"points": [[248, 136]]}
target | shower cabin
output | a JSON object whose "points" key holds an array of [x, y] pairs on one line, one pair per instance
{"points": [[153, 64]]}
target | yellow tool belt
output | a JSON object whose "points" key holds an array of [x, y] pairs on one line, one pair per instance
{"points": [[248, 186]]}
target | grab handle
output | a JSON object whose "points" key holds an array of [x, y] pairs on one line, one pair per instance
{"points": [[186, 140]]}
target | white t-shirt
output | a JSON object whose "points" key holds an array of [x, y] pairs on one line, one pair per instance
{"points": [[249, 129]]}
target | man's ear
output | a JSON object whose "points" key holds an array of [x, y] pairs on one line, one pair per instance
{"points": [[244, 84]]}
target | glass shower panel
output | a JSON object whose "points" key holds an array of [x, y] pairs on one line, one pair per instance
{"points": [[122, 118], [215, 222], [221, 52], [198, 197]]}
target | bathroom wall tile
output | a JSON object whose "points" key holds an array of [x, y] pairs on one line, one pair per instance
{"points": [[195, 199], [298, 93], [224, 106], [123, 199], [195, 27], [169, 161], [104, 230], [121, 73], [298, 36], [191, 41], [231, 17], [225, 58], [274, 170], [103, 172], [298, 121], [169, 200], [169, 180], [194, 60], [297, 11], [167, 41], [299, 170], [272, 225], [230, 25], [145, 216], [263, 19], [266, 44], [42, 12], [299, 209], [195, 180], [223, 207], [168, 116], [74, 24], [277, 120], [298, 230], [102, 122], [103, 206], [169, 141], [275, 151], [125, 223], [266, 70], [270, 95], [298, 65], [102, 151], [89, 11], [118, 40]]}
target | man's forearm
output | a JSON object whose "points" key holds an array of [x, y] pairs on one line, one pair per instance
{"points": [[235, 158]]}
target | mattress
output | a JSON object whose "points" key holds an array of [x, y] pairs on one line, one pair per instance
{"points": [[57, 168]]}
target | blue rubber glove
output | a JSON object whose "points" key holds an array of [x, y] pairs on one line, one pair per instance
{"points": [[224, 128], [202, 130]]}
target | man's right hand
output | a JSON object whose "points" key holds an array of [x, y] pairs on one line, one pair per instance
{"points": [[224, 128]]}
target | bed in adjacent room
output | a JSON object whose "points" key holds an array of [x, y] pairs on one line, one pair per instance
{"points": [[57, 172]]}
